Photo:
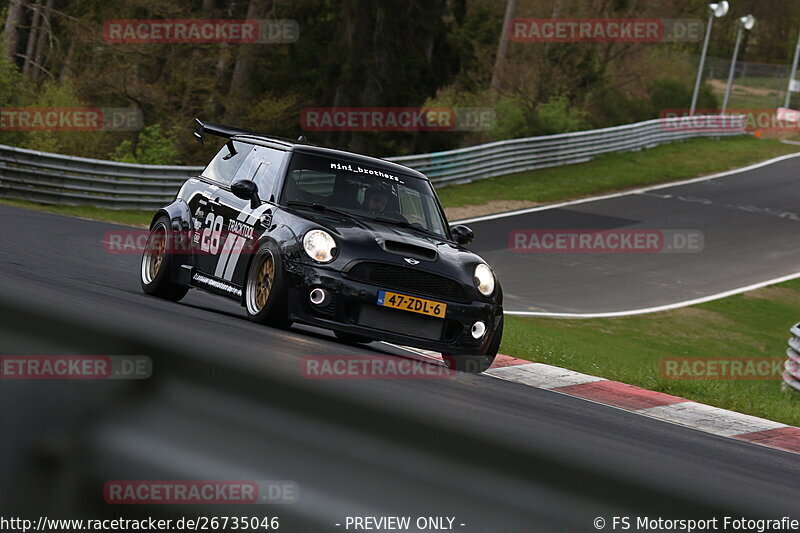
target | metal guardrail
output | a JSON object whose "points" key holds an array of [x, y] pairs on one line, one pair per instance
{"points": [[791, 370], [58, 179], [520, 155]]}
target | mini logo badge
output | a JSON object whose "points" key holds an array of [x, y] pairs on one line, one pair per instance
{"points": [[411, 261]]}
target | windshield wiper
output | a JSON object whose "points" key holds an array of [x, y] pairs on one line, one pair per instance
{"points": [[320, 207]]}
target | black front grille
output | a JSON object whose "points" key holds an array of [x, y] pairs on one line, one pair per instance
{"points": [[407, 279], [401, 322]]}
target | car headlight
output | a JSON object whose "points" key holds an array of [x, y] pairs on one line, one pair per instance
{"points": [[484, 279], [319, 245]]}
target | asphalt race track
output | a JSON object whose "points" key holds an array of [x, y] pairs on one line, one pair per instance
{"points": [[60, 264], [749, 222]]}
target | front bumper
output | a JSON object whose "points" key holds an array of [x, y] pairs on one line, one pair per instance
{"points": [[353, 309]]}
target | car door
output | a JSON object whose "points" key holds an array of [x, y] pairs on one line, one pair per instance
{"points": [[264, 167], [242, 224], [213, 207]]}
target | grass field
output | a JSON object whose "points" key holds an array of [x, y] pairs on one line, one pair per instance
{"points": [[630, 349], [614, 172], [127, 217], [743, 101]]}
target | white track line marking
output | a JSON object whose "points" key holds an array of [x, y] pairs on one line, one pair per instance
{"points": [[658, 308], [628, 192], [654, 309]]}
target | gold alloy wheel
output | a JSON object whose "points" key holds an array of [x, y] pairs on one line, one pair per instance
{"points": [[264, 282], [260, 282], [154, 253]]}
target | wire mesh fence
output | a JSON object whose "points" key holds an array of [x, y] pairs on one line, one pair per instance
{"points": [[755, 85]]}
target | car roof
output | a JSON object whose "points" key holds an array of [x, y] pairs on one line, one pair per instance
{"points": [[311, 149]]}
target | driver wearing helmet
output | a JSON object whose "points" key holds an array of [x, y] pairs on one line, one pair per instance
{"points": [[376, 199]]}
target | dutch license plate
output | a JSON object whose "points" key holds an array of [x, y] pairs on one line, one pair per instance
{"points": [[411, 303]]}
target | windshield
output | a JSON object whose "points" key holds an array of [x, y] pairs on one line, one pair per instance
{"points": [[365, 191]]}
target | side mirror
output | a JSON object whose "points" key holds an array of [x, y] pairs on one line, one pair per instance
{"points": [[247, 190], [462, 234]]}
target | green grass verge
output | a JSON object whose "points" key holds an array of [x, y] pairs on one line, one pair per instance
{"points": [[614, 172], [754, 101], [128, 217], [630, 349]]}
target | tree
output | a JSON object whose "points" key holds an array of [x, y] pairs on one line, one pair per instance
{"points": [[502, 47], [11, 29], [243, 66], [30, 48], [45, 33]]}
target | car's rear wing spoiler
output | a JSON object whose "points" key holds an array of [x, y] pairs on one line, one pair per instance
{"points": [[227, 132], [219, 130]]}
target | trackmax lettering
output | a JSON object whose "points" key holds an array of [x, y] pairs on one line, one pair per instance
{"points": [[240, 229]]}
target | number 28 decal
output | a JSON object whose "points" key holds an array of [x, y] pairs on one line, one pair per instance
{"points": [[212, 231]]}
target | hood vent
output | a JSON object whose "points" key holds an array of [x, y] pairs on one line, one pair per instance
{"points": [[409, 250]]}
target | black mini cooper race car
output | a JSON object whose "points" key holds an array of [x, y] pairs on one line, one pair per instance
{"points": [[354, 244]]}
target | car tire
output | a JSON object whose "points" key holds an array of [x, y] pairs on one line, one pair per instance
{"points": [[475, 364], [351, 338], [158, 263], [265, 295]]}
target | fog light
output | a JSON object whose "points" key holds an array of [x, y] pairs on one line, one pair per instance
{"points": [[478, 329], [318, 296]]}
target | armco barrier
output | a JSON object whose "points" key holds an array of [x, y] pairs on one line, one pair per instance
{"points": [[519, 155], [59, 179]]}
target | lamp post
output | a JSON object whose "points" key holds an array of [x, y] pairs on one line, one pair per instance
{"points": [[745, 23], [715, 10]]}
